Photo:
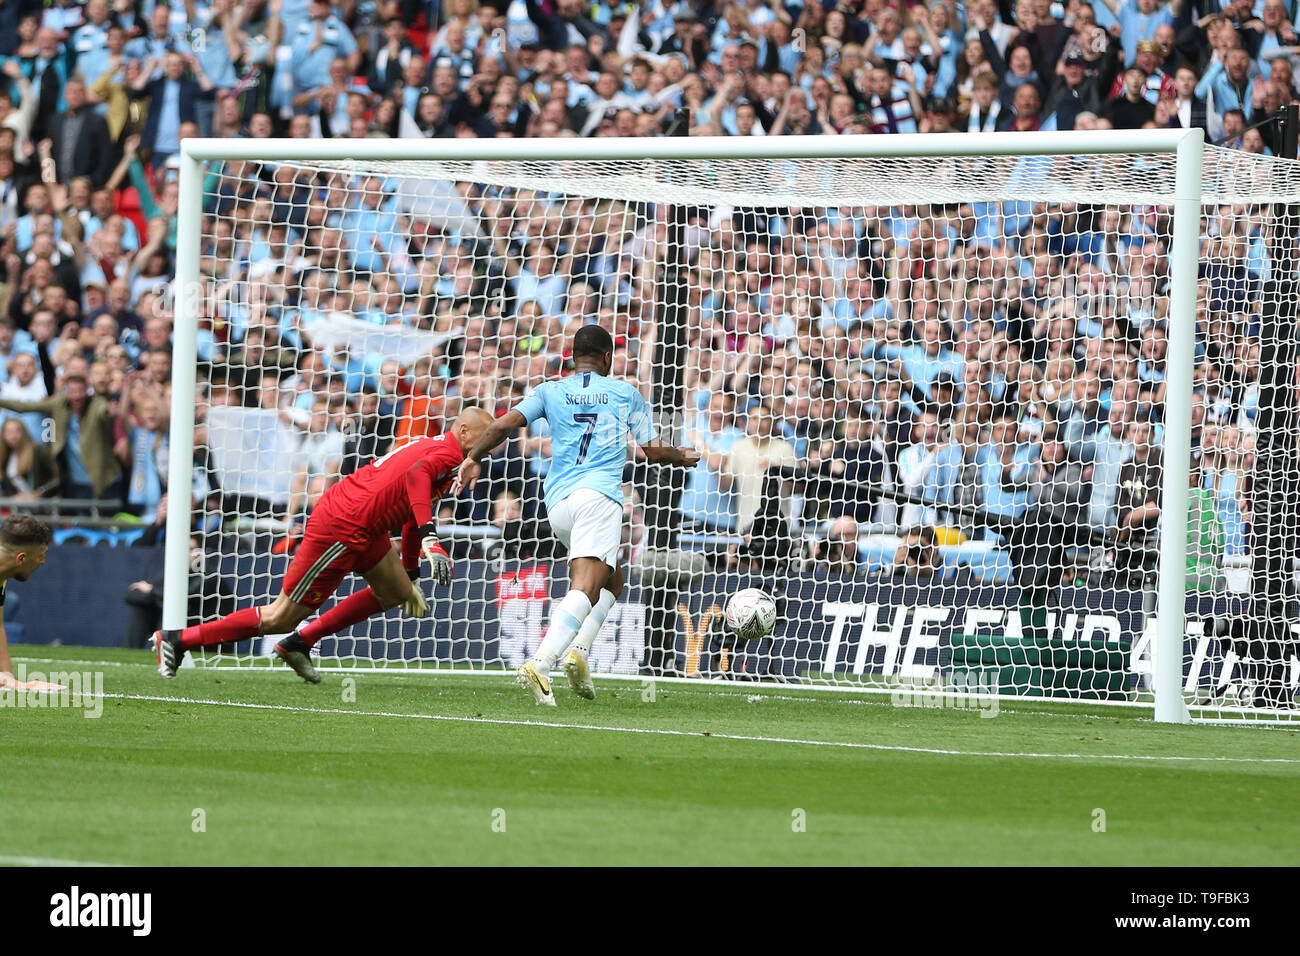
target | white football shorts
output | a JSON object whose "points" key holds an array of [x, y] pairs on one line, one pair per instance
{"points": [[590, 525]]}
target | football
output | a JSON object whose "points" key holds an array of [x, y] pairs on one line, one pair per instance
{"points": [[750, 614]]}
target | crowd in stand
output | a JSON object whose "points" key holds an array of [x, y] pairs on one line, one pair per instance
{"points": [[984, 361]]}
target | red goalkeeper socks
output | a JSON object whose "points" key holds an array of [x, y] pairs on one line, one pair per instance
{"points": [[235, 627], [248, 623], [353, 609]]}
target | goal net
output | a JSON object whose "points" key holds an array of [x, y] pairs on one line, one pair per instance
{"points": [[932, 394]]}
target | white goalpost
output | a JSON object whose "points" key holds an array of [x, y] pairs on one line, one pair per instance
{"points": [[979, 410]]}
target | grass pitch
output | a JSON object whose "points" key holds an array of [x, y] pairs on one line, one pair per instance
{"points": [[258, 768]]}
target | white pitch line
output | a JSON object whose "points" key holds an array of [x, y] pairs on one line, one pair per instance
{"points": [[45, 861], [662, 732], [71, 660], [815, 694], [1008, 703]]}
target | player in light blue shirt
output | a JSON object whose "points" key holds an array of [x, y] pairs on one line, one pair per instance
{"points": [[591, 417]]}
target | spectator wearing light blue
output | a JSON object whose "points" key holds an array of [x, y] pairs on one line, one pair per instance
{"points": [[217, 56], [858, 302], [1224, 473], [724, 44], [777, 51], [12, 342], [1139, 19], [101, 210], [886, 41], [539, 281], [149, 453], [957, 478], [1152, 357], [160, 40], [181, 17], [944, 44], [520, 28], [36, 199], [1006, 469], [1231, 81], [984, 305], [316, 43], [172, 101], [709, 498], [1277, 36], [293, 14], [89, 42], [357, 369], [370, 227], [928, 357], [61, 15], [1080, 417], [1112, 448], [454, 46], [315, 301], [26, 384]]}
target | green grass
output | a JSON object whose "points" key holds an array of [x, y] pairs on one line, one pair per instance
{"points": [[312, 778]]}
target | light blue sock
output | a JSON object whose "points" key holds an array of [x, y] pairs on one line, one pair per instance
{"points": [[594, 622], [566, 620]]}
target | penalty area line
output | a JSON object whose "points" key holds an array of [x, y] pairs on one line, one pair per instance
{"points": [[704, 734]]}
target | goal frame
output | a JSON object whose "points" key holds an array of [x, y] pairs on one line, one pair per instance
{"points": [[1187, 147]]}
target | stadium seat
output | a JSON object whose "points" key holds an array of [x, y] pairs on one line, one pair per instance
{"points": [[91, 537], [128, 537]]}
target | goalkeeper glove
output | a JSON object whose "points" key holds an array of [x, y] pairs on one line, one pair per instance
{"points": [[415, 604], [439, 562]]}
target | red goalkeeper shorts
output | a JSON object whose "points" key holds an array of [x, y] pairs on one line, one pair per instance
{"points": [[321, 563]]}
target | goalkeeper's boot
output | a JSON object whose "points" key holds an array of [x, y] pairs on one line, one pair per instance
{"points": [[167, 644], [579, 674], [293, 650], [532, 677]]}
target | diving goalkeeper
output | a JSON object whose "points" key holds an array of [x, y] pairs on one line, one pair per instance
{"points": [[350, 530]]}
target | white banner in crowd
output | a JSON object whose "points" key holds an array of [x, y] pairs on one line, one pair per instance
{"points": [[360, 337], [254, 452]]}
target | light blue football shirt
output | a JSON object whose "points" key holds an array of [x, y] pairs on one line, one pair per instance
{"points": [[590, 418]]}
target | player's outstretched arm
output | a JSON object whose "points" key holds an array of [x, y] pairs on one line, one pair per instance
{"points": [[7, 679], [422, 533], [492, 436], [415, 605], [661, 454]]}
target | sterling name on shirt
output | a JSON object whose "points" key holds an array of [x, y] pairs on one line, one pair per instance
{"points": [[595, 398]]}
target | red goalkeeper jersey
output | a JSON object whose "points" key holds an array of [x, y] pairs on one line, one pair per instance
{"points": [[393, 493]]}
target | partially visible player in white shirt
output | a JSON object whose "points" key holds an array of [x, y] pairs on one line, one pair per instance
{"points": [[590, 416]]}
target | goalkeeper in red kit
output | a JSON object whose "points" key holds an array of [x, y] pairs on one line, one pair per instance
{"points": [[350, 530]]}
